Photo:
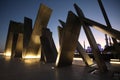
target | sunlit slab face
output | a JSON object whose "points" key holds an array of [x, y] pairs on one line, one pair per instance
{"points": [[36, 39], [32, 55], [33, 48], [41, 22], [69, 41]]}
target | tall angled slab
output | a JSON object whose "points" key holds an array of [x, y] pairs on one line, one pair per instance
{"points": [[41, 22], [8, 46], [69, 41], [15, 41], [49, 51], [117, 47], [60, 31], [99, 60], [84, 55], [27, 31], [79, 48], [19, 46], [18, 40], [102, 28], [23, 37], [14, 29]]}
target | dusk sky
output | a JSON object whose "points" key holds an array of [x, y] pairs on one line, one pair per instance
{"points": [[17, 9]]}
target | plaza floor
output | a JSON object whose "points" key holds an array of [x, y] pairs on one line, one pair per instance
{"points": [[19, 69]]}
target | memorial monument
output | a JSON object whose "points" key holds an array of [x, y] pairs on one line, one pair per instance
{"points": [[17, 38], [24, 42]]}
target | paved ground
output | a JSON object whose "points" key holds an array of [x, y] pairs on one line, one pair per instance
{"points": [[18, 69]]}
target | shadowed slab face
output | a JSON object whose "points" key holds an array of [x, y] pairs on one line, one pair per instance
{"points": [[60, 31], [27, 31], [49, 51], [69, 41], [22, 38], [19, 46], [14, 29], [41, 22]]}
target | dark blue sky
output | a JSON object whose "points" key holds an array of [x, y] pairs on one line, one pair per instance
{"points": [[17, 9]]}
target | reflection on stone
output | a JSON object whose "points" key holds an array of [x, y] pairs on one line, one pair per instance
{"points": [[31, 61]]}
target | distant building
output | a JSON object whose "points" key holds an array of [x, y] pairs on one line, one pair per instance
{"points": [[89, 49], [100, 48]]}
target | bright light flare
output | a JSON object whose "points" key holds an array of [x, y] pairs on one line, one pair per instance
{"points": [[78, 59], [8, 53], [32, 56], [115, 61], [31, 61]]}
